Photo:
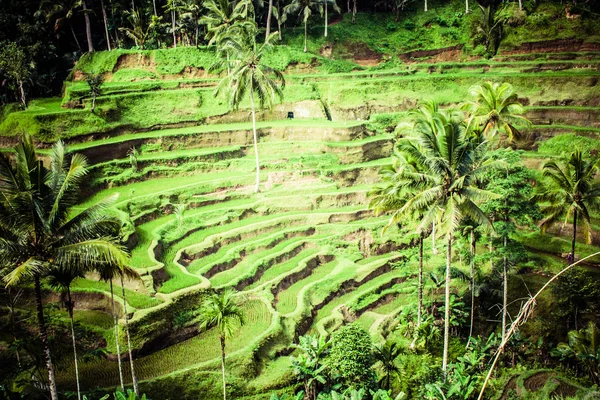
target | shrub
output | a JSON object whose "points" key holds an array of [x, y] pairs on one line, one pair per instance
{"points": [[351, 357]]}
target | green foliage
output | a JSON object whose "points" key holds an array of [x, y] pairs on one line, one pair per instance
{"points": [[351, 358], [564, 144]]}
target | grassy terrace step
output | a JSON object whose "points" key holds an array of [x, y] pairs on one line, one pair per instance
{"points": [[186, 354], [226, 257], [329, 314]]}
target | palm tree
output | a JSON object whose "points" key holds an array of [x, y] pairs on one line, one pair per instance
{"points": [[305, 9], [570, 189], [387, 354], [61, 278], [251, 75], [37, 232], [222, 310], [496, 109], [398, 184], [226, 20], [453, 163], [173, 6]]}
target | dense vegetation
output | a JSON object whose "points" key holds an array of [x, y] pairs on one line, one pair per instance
{"points": [[299, 200]]}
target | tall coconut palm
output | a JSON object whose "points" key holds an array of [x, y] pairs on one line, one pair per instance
{"points": [[37, 231], [227, 20], [223, 311], [496, 109], [61, 278], [252, 76], [453, 163], [570, 189], [304, 8], [398, 182]]}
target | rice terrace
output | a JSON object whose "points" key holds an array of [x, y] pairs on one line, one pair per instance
{"points": [[300, 199]]}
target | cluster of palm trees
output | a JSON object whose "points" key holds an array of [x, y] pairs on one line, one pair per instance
{"points": [[437, 174], [41, 239], [234, 35], [170, 22]]}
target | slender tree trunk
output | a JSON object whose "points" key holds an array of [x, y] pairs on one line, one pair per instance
{"points": [[520, 5], [325, 1], [433, 248], [256, 187], [504, 291], [278, 20], [349, 8], [136, 388], [269, 13], [420, 307], [173, 28], [93, 103], [197, 29], [116, 326], [88, 27], [222, 340], [104, 18], [75, 37], [154, 7], [425, 5], [70, 309], [44, 338], [305, 34], [574, 234], [354, 7], [466, 6], [22, 93], [447, 309], [472, 274]]}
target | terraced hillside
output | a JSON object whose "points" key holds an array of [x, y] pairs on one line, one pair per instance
{"points": [[305, 253]]}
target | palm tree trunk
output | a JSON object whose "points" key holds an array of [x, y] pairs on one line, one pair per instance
{"points": [[269, 13], [173, 28], [154, 7], [116, 327], [504, 292], [433, 248], [420, 289], [255, 138], [70, 307], [305, 34], [197, 34], [104, 18], [574, 234], [133, 377], [447, 309], [354, 7], [466, 6], [520, 5], [425, 5], [278, 20], [325, 1], [222, 340], [44, 338], [88, 27], [472, 274]]}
